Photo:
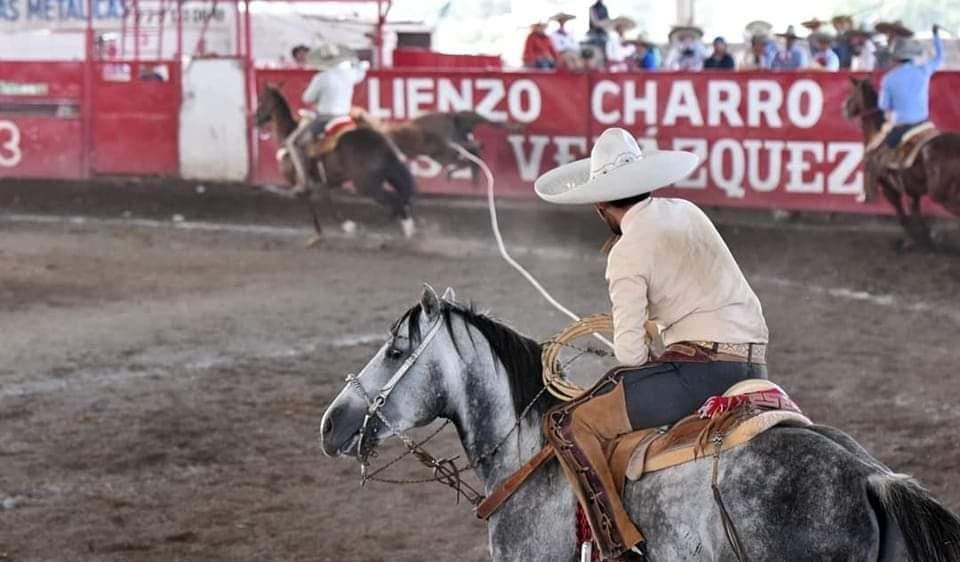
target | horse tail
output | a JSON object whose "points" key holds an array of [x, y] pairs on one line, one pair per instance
{"points": [[930, 532]]}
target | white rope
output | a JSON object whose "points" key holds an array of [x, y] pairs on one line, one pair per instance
{"points": [[495, 225]]}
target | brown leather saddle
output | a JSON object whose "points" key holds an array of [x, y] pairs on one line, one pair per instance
{"points": [[913, 141], [744, 411], [754, 407]]}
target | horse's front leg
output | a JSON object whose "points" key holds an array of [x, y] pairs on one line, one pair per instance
{"points": [[896, 200], [919, 229]]}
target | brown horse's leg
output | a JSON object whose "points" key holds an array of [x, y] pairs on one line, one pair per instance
{"points": [[920, 231], [896, 200]]}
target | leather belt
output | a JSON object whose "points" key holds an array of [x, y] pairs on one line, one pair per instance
{"points": [[714, 351]]}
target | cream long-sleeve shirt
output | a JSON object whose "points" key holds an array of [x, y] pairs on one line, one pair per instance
{"points": [[672, 267], [331, 91]]}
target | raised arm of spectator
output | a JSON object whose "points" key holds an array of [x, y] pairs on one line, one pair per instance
{"points": [[933, 64]]}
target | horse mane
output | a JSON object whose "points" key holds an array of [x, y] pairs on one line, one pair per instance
{"points": [[871, 100], [280, 104], [519, 355]]}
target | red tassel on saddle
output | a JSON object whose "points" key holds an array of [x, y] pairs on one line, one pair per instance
{"points": [[771, 399], [584, 534]]}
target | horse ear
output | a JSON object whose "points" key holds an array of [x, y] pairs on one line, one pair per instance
{"points": [[429, 302], [854, 80], [449, 295], [280, 84]]}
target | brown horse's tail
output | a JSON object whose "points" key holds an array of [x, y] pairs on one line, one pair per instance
{"points": [[467, 121]]}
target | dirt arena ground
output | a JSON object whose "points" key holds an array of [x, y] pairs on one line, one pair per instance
{"points": [[161, 388]]}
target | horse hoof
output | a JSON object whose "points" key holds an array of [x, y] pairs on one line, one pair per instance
{"points": [[409, 227], [313, 242], [349, 227]]}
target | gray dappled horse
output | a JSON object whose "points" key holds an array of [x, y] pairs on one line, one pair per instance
{"points": [[794, 493]]}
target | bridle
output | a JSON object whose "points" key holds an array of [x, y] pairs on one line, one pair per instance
{"points": [[446, 471]]}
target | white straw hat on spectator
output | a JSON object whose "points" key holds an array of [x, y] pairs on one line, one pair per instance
{"points": [[617, 169]]}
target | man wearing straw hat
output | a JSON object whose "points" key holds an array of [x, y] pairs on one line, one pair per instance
{"points": [[791, 56], [686, 49], [670, 269], [330, 92], [564, 43], [822, 53], [538, 51], [619, 48]]}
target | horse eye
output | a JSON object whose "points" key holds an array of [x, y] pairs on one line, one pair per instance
{"points": [[394, 353]]}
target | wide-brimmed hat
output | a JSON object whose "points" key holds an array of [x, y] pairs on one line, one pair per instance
{"points": [[789, 33], [617, 169], [562, 17], [620, 21], [540, 24], [759, 28], [813, 24], [861, 31], [685, 30], [327, 55], [907, 49], [893, 28]]}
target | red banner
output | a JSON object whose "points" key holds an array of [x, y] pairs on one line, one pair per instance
{"points": [[766, 140]]}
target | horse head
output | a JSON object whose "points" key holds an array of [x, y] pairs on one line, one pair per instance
{"points": [[270, 102], [441, 360], [402, 386], [862, 100]]}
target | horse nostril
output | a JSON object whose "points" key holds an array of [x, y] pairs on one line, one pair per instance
{"points": [[327, 428]]}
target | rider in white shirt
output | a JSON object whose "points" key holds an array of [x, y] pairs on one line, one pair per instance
{"points": [[330, 92]]}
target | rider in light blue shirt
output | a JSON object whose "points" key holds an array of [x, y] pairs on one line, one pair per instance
{"points": [[905, 90]]}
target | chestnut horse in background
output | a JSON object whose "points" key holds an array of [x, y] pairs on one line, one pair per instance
{"points": [[935, 172], [363, 156]]}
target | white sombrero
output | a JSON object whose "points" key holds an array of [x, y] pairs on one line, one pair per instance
{"points": [[617, 169]]}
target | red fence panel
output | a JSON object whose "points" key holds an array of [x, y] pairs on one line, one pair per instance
{"points": [[41, 133], [136, 108]]}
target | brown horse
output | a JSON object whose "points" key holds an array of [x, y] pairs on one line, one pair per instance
{"points": [[432, 135], [362, 156], [934, 173]]}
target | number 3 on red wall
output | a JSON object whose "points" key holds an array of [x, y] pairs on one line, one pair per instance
{"points": [[10, 154]]}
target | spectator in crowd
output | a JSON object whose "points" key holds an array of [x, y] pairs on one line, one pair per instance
{"points": [[862, 49], [619, 49], [646, 56], [762, 48], [823, 56], [894, 32], [299, 55], [568, 48], [598, 16], [597, 33], [538, 51], [843, 24], [791, 56], [720, 58], [686, 49]]}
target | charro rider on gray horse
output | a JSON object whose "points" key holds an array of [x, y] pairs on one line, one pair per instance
{"points": [[675, 287], [330, 92]]}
